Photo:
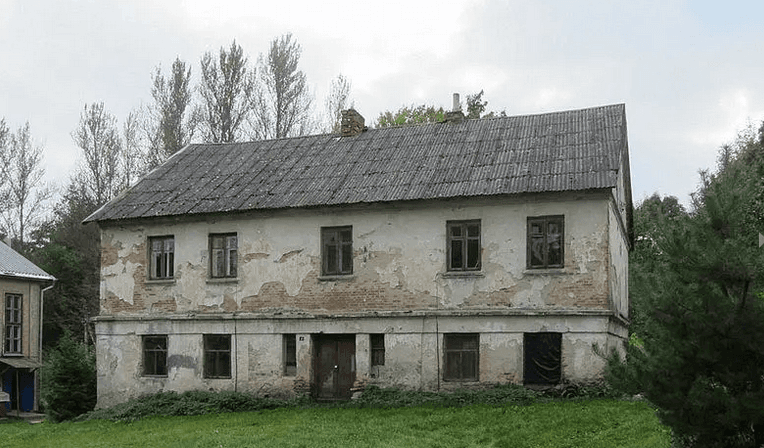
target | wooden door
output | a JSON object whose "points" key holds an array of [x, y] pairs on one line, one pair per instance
{"points": [[335, 366]]}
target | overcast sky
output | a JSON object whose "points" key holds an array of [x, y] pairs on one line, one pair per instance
{"points": [[691, 73]]}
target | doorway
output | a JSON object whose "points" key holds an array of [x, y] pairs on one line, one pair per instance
{"points": [[335, 366]]}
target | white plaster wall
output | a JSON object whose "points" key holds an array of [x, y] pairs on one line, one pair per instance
{"points": [[398, 248]]}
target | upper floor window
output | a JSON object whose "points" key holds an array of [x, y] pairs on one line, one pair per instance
{"points": [[162, 262], [13, 323], [463, 245], [223, 255], [155, 355], [545, 242], [337, 250]]}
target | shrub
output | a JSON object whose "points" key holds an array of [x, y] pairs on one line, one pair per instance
{"points": [[68, 380]]}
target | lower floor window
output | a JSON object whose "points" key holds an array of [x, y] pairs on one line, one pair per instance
{"points": [[377, 350], [543, 358], [155, 355], [217, 356], [461, 357], [290, 355]]}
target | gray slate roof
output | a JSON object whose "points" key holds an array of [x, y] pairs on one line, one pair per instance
{"points": [[12, 264], [560, 151]]}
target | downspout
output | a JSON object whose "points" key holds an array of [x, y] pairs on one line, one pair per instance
{"points": [[39, 353]]}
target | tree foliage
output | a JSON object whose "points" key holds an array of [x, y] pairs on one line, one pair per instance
{"points": [[227, 89], [337, 101], [69, 380], [23, 193], [702, 291], [173, 118], [410, 115], [97, 136], [283, 103]]}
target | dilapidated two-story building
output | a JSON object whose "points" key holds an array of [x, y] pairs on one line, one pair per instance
{"points": [[456, 254]]}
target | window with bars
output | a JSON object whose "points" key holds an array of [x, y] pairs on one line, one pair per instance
{"points": [[13, 317], [223, 255], [290, 355], [217, 356], [162, 262], [377, 350], [463, 246], [461, 357], [155, 355], [337, 250], [546, 242]]}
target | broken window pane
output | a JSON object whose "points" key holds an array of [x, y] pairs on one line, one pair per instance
{"points": [[162, 260], [545, 242]]}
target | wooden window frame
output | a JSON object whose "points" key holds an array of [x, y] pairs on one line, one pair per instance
{"points": [[377, 345], [542, 239], [14, 316], [155, 355], [162, 257], [290, 354], [461, 363], [217, 356], [463, 247], [337, 251], [224, 255]]}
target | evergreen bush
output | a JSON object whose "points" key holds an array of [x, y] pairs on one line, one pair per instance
{"points": [[68, 386]]}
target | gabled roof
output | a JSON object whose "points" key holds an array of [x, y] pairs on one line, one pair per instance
{"points": [[560, 151], [13, 264]]}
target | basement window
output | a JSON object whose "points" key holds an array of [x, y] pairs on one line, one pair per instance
{"points": [[290, 355], [162, 257], [545, 242], [337, 250], [542, 358], [217, 356], [377, 350], [223, 255], [463, 247], [13, 323], [155, 355], [461, 357]]}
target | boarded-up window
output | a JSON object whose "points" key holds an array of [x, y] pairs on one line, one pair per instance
{"points": [[155, 355], [217, 356], [463, 245], [377, 350], [223, 255], [545, 242], [290, 355], [461, 357], [162, 262], [13, 323], [337, 250], [543, 358]]}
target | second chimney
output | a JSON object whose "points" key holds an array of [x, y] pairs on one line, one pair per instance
{"points": [[352, 123], [455, 115]]}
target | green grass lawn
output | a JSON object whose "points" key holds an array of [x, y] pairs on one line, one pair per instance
{"points": [[595, 423]]}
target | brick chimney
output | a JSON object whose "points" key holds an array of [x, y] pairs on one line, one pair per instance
{"points": [[352, 123], [455, 115]]}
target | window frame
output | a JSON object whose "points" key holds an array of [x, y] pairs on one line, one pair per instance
{"points": [[452, 350], [165, 269], [464, 238], [289, 341], [154, 354], [377, 349], [545, 221], [14, 321], [230, 254], [341, 251], [217, 361]]}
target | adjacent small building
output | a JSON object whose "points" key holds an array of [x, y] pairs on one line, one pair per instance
{"points": [[22, 286], [458, 254]]}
